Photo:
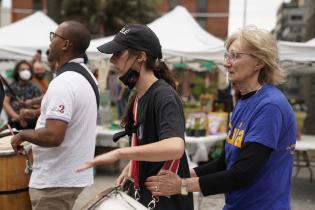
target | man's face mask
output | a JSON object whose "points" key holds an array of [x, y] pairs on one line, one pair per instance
{"points": [[130, 78], [39, 76]]}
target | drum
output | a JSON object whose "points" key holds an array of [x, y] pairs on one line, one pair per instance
{"points": [[13, 180], [113, 199]]}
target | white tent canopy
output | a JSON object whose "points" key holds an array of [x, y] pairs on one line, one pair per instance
{"points": [[27, 35], [297, 51], [180, 36], [14, 54]]}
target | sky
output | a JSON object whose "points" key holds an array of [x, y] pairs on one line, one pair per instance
{"points": [[262, 13]]}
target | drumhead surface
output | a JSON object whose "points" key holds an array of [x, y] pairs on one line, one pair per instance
{"points": [[120, 201], [113, 199], [5, 144]]}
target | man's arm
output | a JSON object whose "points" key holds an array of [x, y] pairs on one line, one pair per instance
{"points": [[52, 135]]}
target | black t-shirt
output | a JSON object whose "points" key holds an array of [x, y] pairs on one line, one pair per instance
{"points": [[161, 116], [1, 96]]}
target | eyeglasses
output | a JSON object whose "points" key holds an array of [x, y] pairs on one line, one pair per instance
{"points": [[52, 35], [233, 56]]}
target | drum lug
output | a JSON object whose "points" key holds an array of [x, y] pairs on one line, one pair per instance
{"points": [[28, 167], [28, 163], [153, 202], [137, 195]]}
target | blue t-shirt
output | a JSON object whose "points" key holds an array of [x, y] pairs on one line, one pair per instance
{"points": [[268, 119]]}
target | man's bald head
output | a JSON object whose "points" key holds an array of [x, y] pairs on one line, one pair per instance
{"points": [[78, 35]]}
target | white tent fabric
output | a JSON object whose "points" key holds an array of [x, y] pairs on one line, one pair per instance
{"points": [[297, 51], [14, 54], [28, 35], [180, 36], [311, 42]]}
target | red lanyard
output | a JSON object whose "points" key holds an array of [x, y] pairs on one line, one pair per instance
{"points": [[134, 164], [171, 165]]}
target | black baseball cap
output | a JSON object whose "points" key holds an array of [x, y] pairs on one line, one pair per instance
{"points": [[134, 36]]}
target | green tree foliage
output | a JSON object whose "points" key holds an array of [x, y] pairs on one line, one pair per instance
{"points": [[103, 17], [119, 12]]}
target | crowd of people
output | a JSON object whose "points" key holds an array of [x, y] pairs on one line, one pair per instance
{"points": [[30, 82], [59, 119]]}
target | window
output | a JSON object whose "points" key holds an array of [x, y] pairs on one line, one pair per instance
{"points": [[172, 4], [202, 5], [37, 4], [202, 22], [296, 17]]}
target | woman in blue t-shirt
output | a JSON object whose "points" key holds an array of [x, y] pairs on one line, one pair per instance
{"points": [[255, 168]]}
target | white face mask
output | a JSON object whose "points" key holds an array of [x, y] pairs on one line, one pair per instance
{"points": [[25, 74]]}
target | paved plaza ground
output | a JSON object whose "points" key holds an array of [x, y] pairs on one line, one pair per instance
{"points": [[303, 193]]}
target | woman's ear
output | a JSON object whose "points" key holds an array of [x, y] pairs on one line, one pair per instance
{"points": [[260, 65], [142, 57]]}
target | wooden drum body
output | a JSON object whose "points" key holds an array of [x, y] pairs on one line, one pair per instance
{"points": [[13, 180]]}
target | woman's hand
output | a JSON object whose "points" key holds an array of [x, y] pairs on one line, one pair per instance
{"points": [[166, 183], [192, 173], [15, 117], [121, 180], [104, 159]]}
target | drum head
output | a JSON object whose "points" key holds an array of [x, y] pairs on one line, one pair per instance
{"points": [[5, 145], [114, 199]]}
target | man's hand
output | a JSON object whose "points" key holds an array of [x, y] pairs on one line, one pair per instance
{"points": [[16, 142]]}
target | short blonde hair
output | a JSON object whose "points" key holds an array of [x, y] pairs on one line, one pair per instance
{"points": [[263, 46]]}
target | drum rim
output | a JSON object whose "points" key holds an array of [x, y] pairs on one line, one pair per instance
{"points": [[96, 202], [7, 152]]}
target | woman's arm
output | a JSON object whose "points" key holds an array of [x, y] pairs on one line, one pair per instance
{"points": [[9, 110], [211, 167], [251, 159], [166, 149]]}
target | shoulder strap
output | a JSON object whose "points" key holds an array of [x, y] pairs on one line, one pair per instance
{"points": [[81, 70]]}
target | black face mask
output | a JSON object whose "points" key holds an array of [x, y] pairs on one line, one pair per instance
{"points": [[40, 76], [130, 78]]}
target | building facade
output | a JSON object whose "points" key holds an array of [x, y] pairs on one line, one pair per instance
{"points": [[310, 20], [291, 19], [212, 15], [23, 8]]}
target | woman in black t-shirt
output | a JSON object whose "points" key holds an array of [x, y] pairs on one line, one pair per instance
{"points": [[154, 119]]}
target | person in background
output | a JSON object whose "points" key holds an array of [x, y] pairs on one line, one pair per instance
{"points": [[37, 56], [154, 118], [122, 100], [22, 90], [32, 106], [113, 85], [254, 171], [39, 76], [2, 95], [64, 137]]}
